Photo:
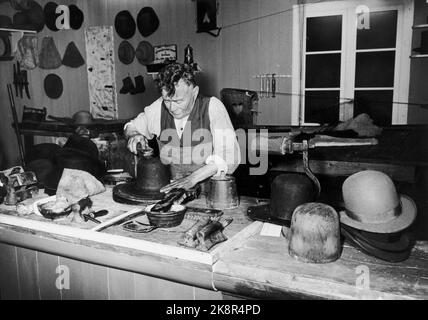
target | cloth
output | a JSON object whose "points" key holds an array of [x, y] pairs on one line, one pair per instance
{"points": [[225, 148]]}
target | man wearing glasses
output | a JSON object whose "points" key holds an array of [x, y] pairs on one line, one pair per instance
{"points": [[194, 133]]}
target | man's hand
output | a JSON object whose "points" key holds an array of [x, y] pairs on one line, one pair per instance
{"points": [[185, 183], [134, 140]]}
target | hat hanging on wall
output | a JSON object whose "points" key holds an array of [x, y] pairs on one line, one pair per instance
{"points": [[72, 57], [53, 86], [27, 53], [51, 15], [147, 21], [76, 17], [124, 24], [206, 17], [35, 16], [49, 57], [145, 53], [126, 52]]}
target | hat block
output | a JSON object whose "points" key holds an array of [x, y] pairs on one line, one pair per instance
{"points": [[314, 235]]}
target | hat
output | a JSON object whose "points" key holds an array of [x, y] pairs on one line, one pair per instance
{"points": [[20, 20], [145, 53], [288, 191], [126, 52], [147, 21], [51, 15], [372, 204], [36, 17], [20, 4], [72, 57], [76, 17], [124, 24], [314, 233], [82, 118], [395, 248], [53, 86], [27, 53], [49, 57]]}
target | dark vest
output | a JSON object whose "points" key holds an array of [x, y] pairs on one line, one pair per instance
{"points": [[188, 153]]}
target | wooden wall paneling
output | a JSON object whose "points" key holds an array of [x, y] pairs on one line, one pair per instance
{"points": [[87, 281], [121, 284], [9, 281], [47, 274], [149, 288], [28, 274]]}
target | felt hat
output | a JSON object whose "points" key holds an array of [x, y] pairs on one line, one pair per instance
{"points": [[49, 57], [145, 53], [124, 24], [27, 53], [51, 15], [288, 191], [82, 118], [53, 86], [72, 57], [5, 21], [126, 52], [424, 43], [76, 17], [373, 204], [20, 20], [395, 247], [147, 21], [314, 235], [36, 16]]}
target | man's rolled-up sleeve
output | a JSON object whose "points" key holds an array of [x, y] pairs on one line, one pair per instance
{"points": [[226, 151], [146, 123]]}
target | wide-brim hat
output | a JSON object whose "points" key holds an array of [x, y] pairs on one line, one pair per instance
{"points": [[124, 24], [145, 53], [53, 86], [126, 52], [131, 193], [395, 250], [288, 191], [406, 216], [51, 15], [147, 21], [76, 17]]}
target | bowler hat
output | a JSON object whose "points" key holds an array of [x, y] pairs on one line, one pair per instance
{"points": [[147, 21], [288, 190], [145, 53], [124, 24], [76, 17], [53, 86], [373, 204], [51, 15], [126, 52], [82, 118]]}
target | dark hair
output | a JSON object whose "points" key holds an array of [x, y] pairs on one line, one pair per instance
{"points": [[172, 73]]}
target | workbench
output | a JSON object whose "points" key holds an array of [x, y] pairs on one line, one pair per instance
{"points": [[113, 264]]}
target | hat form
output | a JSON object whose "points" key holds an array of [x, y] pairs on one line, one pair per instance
{"points": [[372, 204], [51, 15], [288, 191], [145, 53], [27, 53], [72, 57], [126, 52], [147, 21], [124, 24], [49, 57], [53, 86]]}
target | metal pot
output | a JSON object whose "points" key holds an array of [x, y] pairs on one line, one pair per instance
{"points": [[222, 193]]}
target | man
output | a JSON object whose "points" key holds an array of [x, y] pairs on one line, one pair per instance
{"points": [[194, 133]]}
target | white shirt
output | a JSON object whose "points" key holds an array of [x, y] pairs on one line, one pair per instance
{"points": [[226, 152]]}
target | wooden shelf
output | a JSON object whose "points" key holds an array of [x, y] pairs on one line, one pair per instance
{"points": [[17, 30], [421, 26], [419, 56]]}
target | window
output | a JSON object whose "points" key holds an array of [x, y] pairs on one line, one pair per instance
{"points": [[343, 68]]}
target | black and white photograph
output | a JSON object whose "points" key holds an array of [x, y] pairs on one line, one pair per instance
{"points": [[211, 155]]}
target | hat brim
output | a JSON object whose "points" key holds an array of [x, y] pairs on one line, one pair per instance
{"points": [[262, 213], [132, 194], [404, 220]]}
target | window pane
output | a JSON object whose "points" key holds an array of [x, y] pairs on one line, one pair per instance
{"points": [[375, 69], [323, 70], [382, 31], [322, 106], [324, 33], [377, 104]]}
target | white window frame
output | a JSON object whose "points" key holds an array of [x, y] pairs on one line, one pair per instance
{"points": [[347, 9]]}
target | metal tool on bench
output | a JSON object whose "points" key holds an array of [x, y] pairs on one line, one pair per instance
{"points": [[21, 186], [93, 215]]}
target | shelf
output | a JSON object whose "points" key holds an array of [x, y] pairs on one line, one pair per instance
{"points": [[419, 56], [420, 26], [17, 30]]}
